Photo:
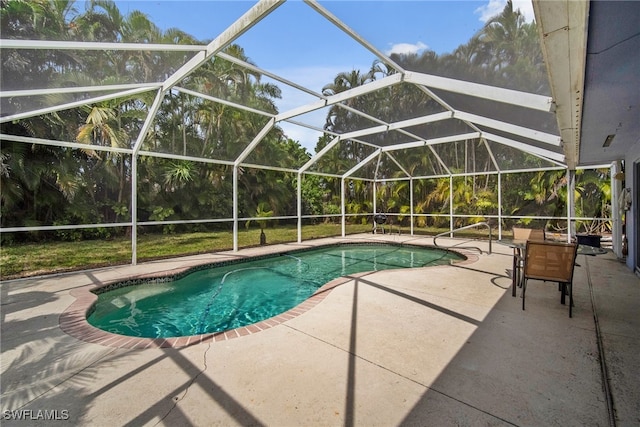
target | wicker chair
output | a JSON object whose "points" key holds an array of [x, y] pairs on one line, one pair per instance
{"points": [[553, 262]]}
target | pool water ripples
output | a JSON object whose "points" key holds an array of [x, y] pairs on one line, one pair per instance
{"points": [[227, 297]]}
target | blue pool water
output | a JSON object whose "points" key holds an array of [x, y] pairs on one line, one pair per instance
{"points": [[239, 294]]}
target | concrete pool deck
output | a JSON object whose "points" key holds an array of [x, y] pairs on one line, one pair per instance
{"points": [[437, 346]]}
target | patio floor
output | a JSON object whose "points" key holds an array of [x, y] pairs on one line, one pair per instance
{"points": [[432, 346]]}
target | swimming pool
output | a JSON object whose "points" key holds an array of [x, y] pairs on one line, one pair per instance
{"points": [[221, 297]]}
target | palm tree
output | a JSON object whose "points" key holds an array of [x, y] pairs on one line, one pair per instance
{"points": [[502, 33], [339, 119], [103, 127], [262, 212], [516, 54]]}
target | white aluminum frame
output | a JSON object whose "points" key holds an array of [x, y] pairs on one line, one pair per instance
{"points": [[554, 151]]}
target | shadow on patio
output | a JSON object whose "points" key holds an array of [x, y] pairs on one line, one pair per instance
{"points": [[430, 346]]}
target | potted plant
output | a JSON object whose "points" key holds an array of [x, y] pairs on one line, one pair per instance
{"points": [[262, 211]]}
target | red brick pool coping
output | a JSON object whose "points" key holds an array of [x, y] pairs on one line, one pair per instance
{"points": [[73, 320]]}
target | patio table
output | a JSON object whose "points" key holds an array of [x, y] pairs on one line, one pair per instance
{"points": [[519, 247], [518, 255]]}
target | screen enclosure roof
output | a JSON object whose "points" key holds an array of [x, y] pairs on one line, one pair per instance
{"points": [[501, 128]]}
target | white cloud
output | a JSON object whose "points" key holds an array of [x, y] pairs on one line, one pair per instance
{"points": [[308, 138], [490, 9], [406, 48], [495, 7], [526, 8]]}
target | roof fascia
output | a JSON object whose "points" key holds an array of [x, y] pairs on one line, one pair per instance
{"points": [[563, 34]]}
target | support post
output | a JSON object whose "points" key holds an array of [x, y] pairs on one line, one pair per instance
{"points": [[411, 204], [571, 210], [499, 206], [343, 209], [451, 206], [235, 208], [375, 205], [299, 203], [134, 209]]}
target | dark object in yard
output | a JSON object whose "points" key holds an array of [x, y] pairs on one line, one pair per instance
{"points": [[589, 240], [378, 219]]}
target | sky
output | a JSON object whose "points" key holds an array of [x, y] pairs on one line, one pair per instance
{"points": [[295, 42]]}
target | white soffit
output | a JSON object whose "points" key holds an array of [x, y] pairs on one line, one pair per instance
{"points": [[562, 26]]}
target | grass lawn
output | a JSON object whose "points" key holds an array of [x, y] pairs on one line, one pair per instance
{"points": [[31, 259]]}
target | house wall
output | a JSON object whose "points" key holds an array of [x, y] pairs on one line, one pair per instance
{"points": [[633, 227]]}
